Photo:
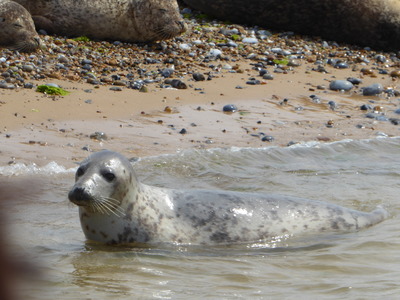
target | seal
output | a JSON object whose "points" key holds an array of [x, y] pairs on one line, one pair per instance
{"points": [[17, 30], [373, 23], [122, 20], [114, 208]]}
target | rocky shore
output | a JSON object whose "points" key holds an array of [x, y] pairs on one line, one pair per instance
{"points": [[158, 98]]}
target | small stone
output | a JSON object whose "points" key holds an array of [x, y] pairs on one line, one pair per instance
{"points": [[354, 80], [341, 65], [116, 89], [229, 108], [267, 138], [167, 72], [253, 82], [250, 40], [98, 135], [372, 90], [332, 105], [28, 68], [330, 124], [339, 85], [183, 131], [215, 53], [86, 62], [268, 76], [198, 77], [366, 107], [178, 84], [28, 85], [395, 73], [143, 89]]}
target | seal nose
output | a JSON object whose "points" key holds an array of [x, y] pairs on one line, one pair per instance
{"points": [[182, 25], [77, 195]]}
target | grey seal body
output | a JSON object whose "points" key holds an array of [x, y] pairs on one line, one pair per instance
{"points": [[114, 207], [17, 30], [122, 20], [373, 23]]}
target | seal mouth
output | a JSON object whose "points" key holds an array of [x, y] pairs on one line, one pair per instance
{"points": [[166, 33], [32, 45], [103, 205]]}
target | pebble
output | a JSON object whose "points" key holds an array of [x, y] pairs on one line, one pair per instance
{"points": [[341, 65], [116, 89], [167, 72], [340, 85], [366, 107], [267, 138], [250, 40], [268, 76], [5, 85], [354, 80], [253, 82], [229, 108], [198, 77], [376, 116], [395, 73], [215, 53], [28, 68], [99, 135], [372, 90], [178, 84], [332, 105]]}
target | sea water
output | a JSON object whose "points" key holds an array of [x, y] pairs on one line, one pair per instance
{"points": [[362, 265]]}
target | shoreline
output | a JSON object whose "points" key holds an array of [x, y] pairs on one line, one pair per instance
{"points": [[38, 128]]}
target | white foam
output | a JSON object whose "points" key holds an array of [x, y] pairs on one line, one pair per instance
{"points": [[20, 169]]}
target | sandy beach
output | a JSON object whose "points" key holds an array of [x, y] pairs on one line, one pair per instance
{"points": [[40, 128]]}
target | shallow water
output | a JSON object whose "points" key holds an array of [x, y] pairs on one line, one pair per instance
{"points": [[355, 174]]}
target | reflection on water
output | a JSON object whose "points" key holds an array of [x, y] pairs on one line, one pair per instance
{"points": [[358, 175]]}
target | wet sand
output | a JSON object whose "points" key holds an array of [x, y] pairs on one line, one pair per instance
{"points": [[41, 128]]}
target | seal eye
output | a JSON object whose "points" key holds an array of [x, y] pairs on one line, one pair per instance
{"points": [[109, 176], [79, 172]]}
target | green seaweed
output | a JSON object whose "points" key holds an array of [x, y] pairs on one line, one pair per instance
{"points": [[281, 61], [235, 37], [82, 39], [51, 90], [202, 17]]}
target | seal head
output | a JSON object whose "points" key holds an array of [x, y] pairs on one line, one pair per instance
{"points": [[102, 182], [17, 30], [161, 17]]}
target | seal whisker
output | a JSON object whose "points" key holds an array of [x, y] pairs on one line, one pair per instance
{"points": [[99, 207], [111, 205]]}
